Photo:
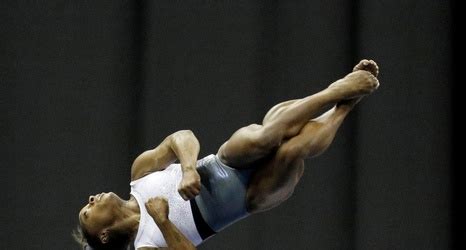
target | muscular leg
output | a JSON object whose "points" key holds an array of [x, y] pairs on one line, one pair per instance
{"points": [[284, 121], [367, 65], [274, 182]]}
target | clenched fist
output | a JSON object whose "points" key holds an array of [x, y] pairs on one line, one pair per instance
{"points": [[190, 185], [158, 209]]}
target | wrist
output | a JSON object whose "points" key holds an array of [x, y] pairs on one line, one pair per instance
{"points": [[189, 167], [161, 221]]}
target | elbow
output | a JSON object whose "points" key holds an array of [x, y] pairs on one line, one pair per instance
{"points": [[183, 136]]}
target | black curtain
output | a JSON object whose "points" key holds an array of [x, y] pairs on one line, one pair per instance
{"points": [[88, 85]]}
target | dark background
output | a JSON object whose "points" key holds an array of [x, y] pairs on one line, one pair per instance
{"points": [[86, 86]]}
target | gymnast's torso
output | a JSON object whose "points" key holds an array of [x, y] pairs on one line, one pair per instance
{"points": [[221, 202]]}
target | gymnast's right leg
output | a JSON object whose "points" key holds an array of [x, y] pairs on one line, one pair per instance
{"points": [[255, 142]]}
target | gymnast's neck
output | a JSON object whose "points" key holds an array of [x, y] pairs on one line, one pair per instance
{"points": [[128, 217]]}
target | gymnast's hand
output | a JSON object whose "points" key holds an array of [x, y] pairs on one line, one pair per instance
{"points": [[190, 185], [158, 209]]}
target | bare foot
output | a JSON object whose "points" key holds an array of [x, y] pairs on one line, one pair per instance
{"points": [[356, 84], [364, 65], [367, 65]]}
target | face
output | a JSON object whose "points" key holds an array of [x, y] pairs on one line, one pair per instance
{"points": [[101, 211]]}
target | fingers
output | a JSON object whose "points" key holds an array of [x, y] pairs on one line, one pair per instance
{"points": [[154, 204], [158, 209], [157, 200], [188, 192], [184, 195], [190, 185]]}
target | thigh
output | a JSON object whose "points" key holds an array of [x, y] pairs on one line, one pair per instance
{"points": [[277, 110], [246, 146]]}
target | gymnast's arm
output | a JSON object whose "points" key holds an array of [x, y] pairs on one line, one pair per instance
{"points": [[182, 145], [158, 210]]}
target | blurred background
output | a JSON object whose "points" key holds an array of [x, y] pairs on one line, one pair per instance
{"points": [[86, 86]]}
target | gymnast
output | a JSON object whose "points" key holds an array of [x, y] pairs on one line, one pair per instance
{"points": [[178, 206]]}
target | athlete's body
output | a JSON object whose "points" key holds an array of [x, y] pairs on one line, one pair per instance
{"points": [[274, 150]]}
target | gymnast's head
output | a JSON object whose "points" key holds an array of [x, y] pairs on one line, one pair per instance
{"points": [[103, 224]]}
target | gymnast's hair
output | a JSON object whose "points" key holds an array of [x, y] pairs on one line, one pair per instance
{"points": [[117, 240]]}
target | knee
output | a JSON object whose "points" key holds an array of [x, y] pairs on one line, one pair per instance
{"points": [[248, 144], [259, 202], [254, 203], [266, 139], [266, 199]]}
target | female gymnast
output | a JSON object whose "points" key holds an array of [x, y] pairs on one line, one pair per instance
{"points": [[255, 170]]}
